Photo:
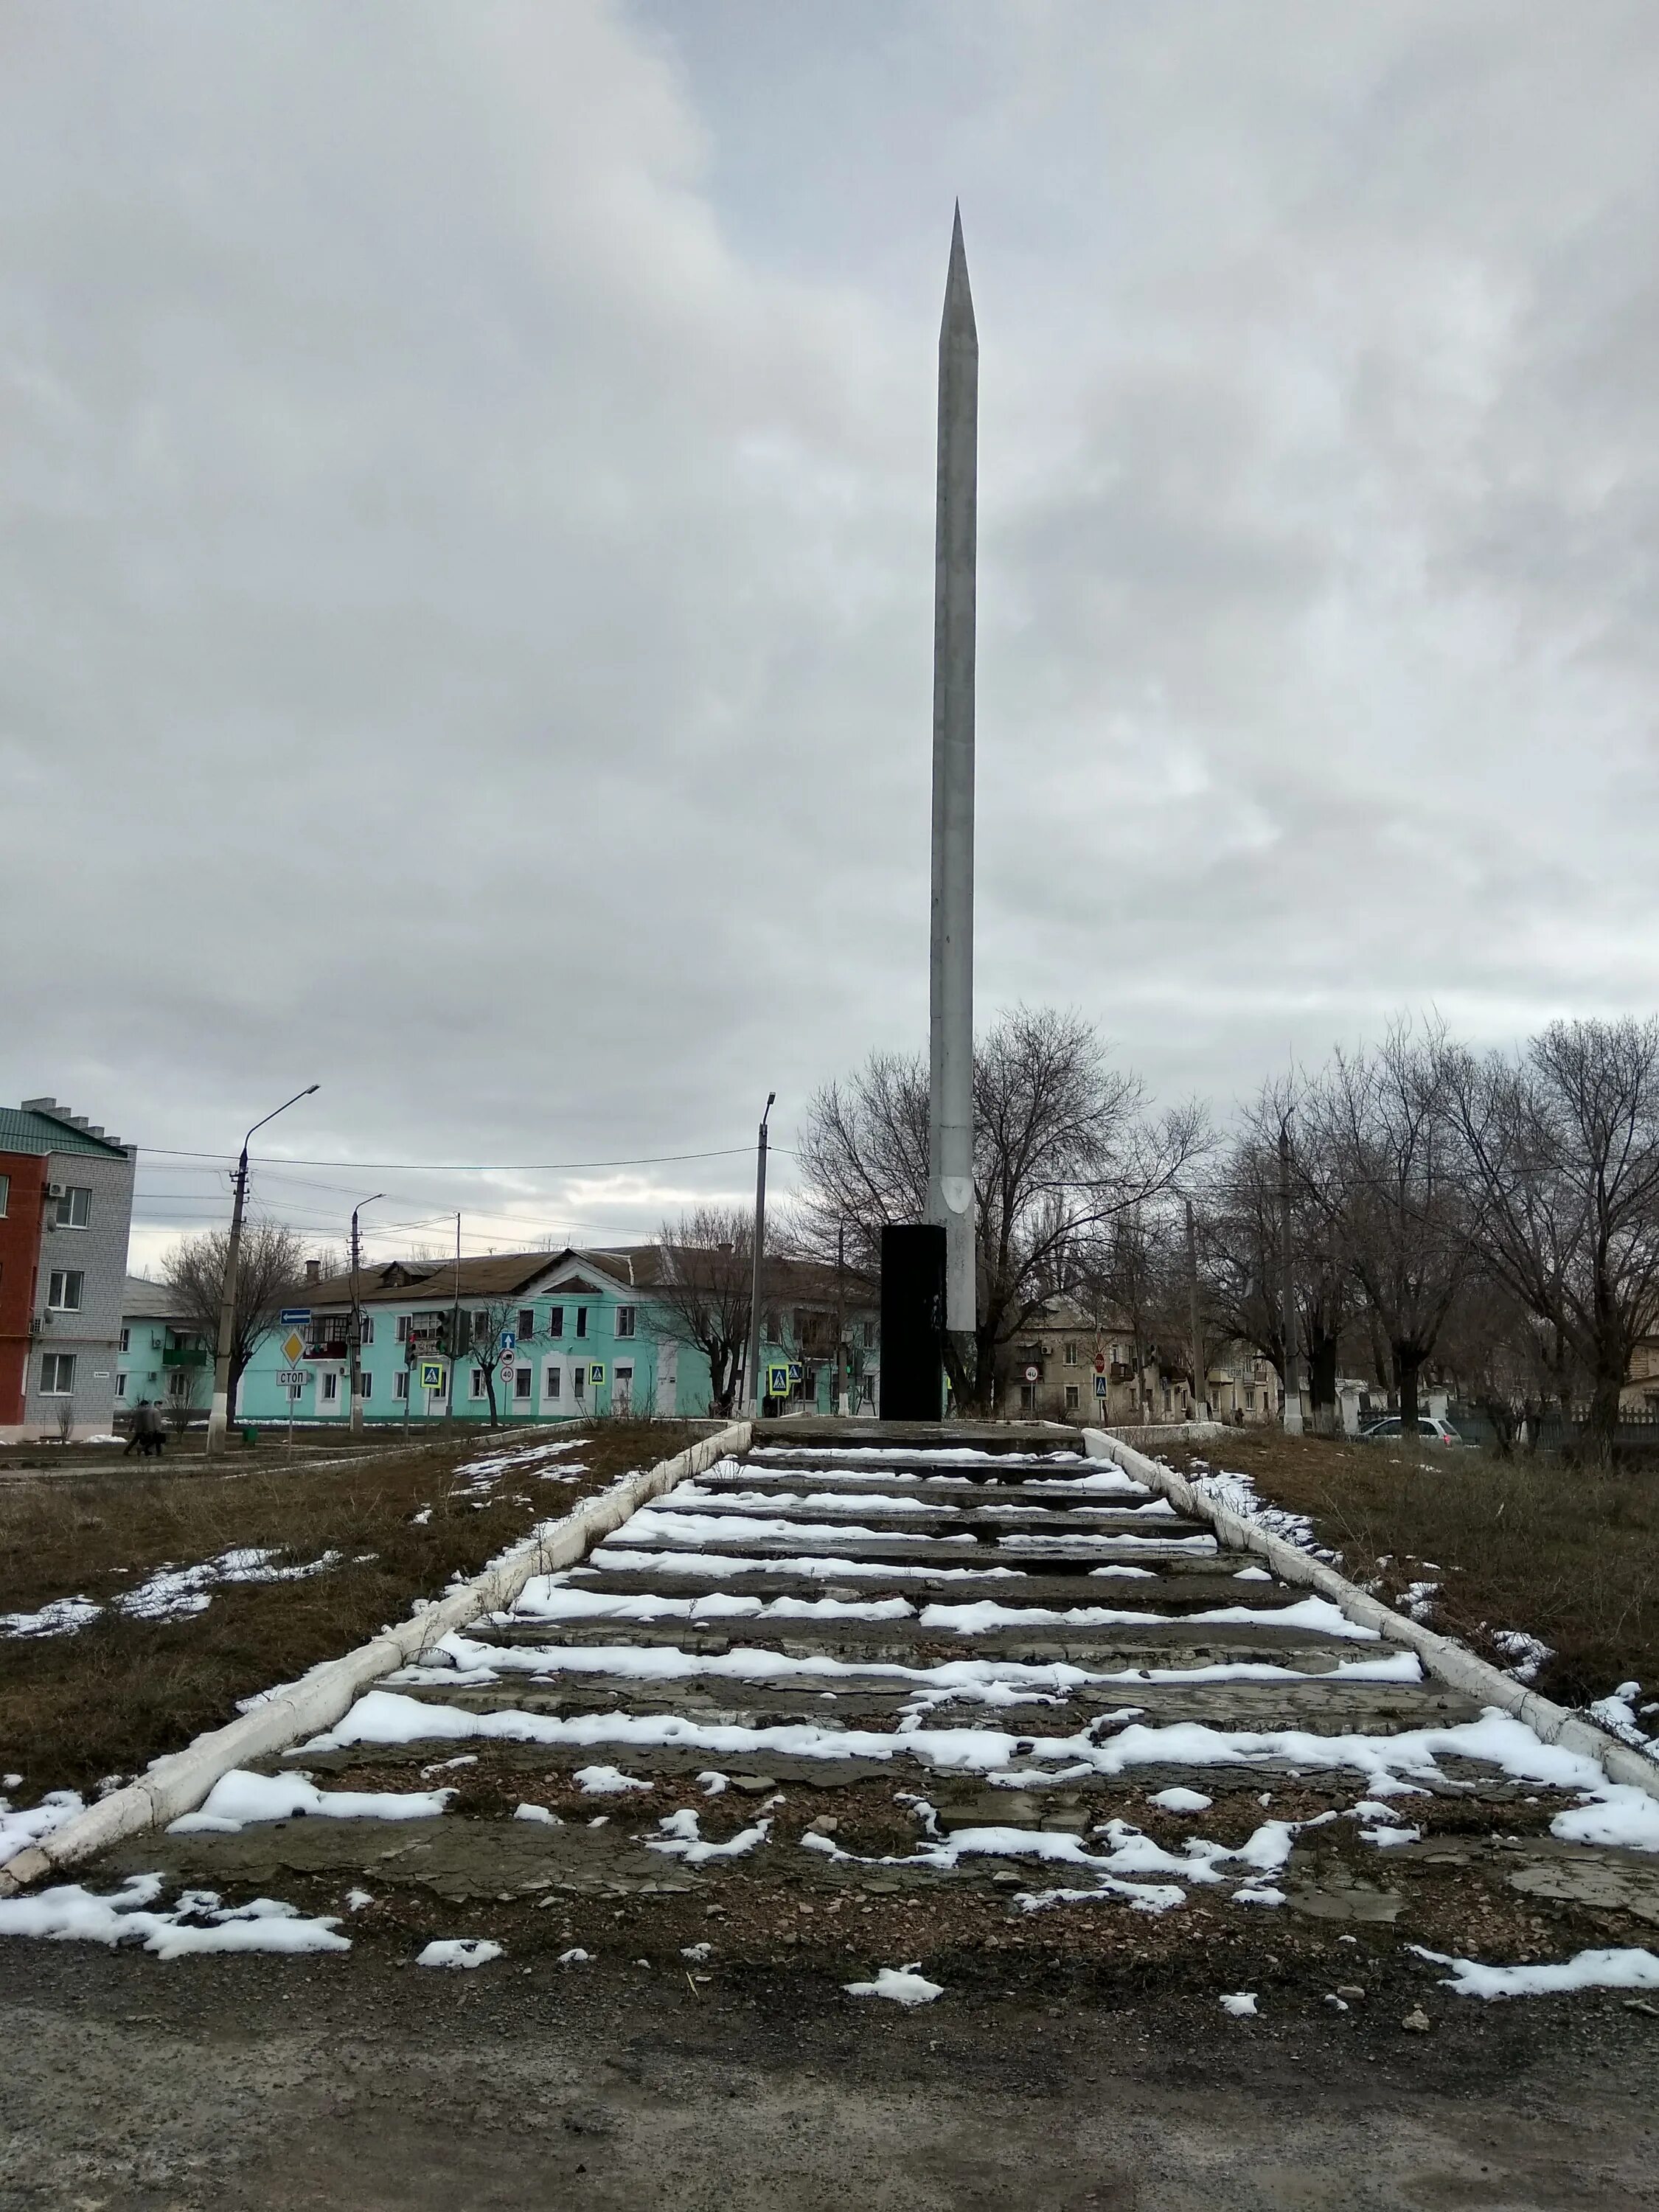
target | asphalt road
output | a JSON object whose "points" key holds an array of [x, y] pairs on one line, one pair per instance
{"points": [[129, 2084]]}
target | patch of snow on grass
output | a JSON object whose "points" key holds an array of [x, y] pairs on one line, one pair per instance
{"points": [[575, 1957], [1617, 1714], [1237, 1492], [1588, 1970], [905, 1985], [61, 1617], [459, 1953], [1524, 1655], [537, 1813], [1240, 2004], [1181, 1801]]}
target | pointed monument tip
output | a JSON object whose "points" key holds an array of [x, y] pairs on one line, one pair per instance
{"points": [[958, 293]]}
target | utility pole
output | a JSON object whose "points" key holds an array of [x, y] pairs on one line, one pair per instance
{"points": [[455, 1325], [357, 1321], [754, 1389], [1288, 1289], [1200, 1365], [219, 1416], [841, 1318]]}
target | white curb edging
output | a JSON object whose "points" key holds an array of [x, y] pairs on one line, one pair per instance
{"points": [[175, 1785], [1451, 1661]]}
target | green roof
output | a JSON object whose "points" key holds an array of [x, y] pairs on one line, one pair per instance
{"points": [[26, 1129]]}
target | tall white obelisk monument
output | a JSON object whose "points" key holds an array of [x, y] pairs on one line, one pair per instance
{"points": [[951, 997]]}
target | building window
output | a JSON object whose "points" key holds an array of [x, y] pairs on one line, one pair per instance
{"points": [[75, 1208], [1071, 1352], [57, 1373], [64, 1287], [527, 1322], [365, 1384], [868, 1331], [332, 1387], [366, 1329], [622, 1395], [556, 1321], [579, 1382], [522, 1378], [5, 1195], [581, 1321], [400, 1383], [120, 1387], [125, 1334], [403, 1328], [624, 1320], [1025, 1395], [475, 1383], [1072, 1397], [480, 1328]]}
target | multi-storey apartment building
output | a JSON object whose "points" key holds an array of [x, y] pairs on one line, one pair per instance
{"points": [[549, 1336], [65, 1211]]}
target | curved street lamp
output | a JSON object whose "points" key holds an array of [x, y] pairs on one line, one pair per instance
{"points": [[219, 1419]]}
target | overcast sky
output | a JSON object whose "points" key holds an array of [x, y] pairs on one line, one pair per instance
{"points": [[465, 557]]}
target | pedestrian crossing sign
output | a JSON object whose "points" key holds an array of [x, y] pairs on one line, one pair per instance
{"points": [[597, 1371], [777, 1382], [432, 1375]]}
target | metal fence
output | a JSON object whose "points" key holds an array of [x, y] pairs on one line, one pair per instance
{"points": [[1637, 1434]]}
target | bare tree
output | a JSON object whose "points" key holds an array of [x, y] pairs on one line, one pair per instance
{"points": [[704, 1294], [1561, 1151], [1062, 1144], [477, 1330], [1241, 1251], [1375, 1157], [270, 1266]]}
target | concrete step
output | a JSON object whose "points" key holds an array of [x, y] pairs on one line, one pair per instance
{"points": [[901, 1517], [1168, 1581], [903, 1550], [911, 1641], [1314, 1708]]}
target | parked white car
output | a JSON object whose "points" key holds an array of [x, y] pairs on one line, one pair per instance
{"points": [[1431, 1431]]}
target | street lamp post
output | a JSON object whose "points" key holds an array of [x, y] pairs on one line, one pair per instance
{"points": [[219, 1419], [357, 1321], [754, 1391]]}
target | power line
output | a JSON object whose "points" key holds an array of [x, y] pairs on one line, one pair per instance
{"points": [[461, 1167]]}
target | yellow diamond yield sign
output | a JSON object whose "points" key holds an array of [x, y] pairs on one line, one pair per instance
{"points": [[293, 1346]]}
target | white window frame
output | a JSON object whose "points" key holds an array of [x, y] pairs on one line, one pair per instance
{"points": [[66, 1206], [5, 1195], [365, 1385], [1070, 1358], [366, 1329], [524, 1382], [474, 1387], [125, 1334], [53, 1363], [625, 1320], [120, 1387], [58, 1284], [551, 1384], [400, 1384], [1073, 1398], [622, 1389], [329, 1391]]}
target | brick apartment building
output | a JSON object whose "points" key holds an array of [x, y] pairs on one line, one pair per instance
{"points": [[65, 1211]]}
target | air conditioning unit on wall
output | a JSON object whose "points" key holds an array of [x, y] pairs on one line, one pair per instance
{"points": [[55, 1189]]}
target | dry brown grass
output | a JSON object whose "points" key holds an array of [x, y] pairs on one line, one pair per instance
{"points": [[76, 1708], [1570, 1555]]}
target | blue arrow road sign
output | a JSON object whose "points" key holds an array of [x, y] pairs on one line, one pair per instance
{"points": [[509, 1339], [296, 1315]]}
